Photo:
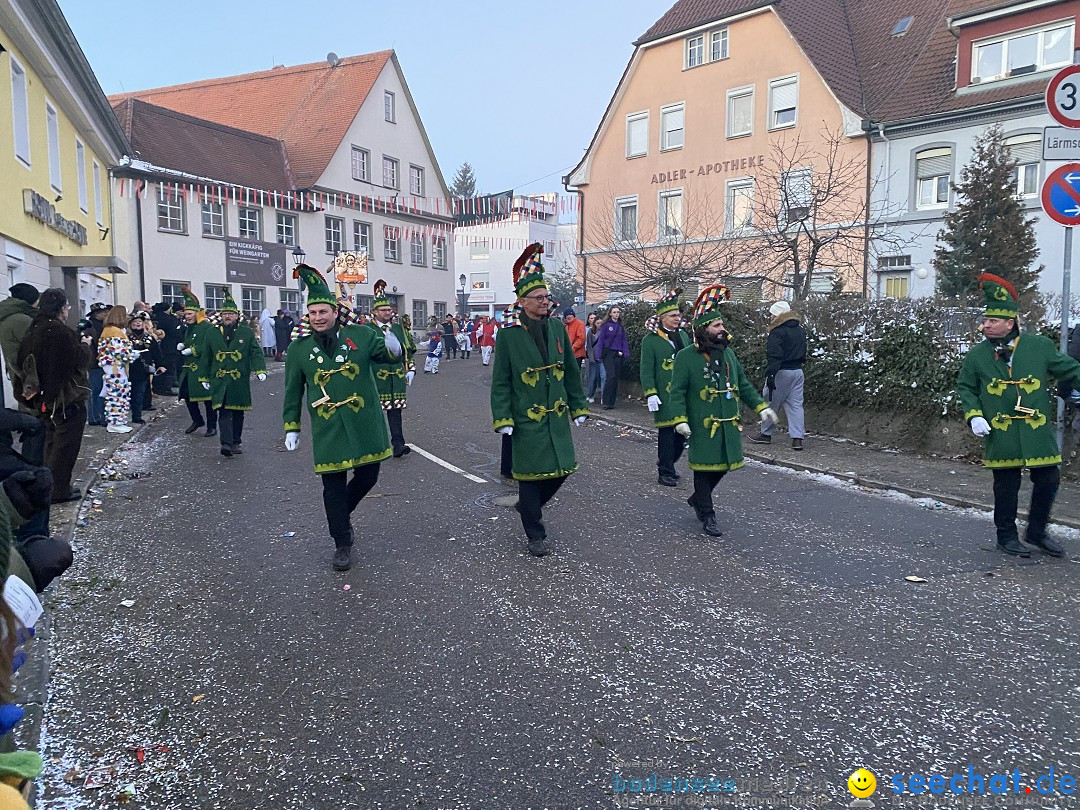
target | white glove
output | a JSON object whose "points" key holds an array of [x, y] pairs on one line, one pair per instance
{"points": [[409, 377], [187, 352], [682, 429], [292, 440], [506, 430], [206, 386], [262, 376], [980, 427], [179, 347], [768, 415], [653, 403], [393, 345], [580, 420]]}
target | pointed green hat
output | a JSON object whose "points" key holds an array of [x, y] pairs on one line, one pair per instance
{"points": [[999, 296], [379, 288], [707, 307], [669, 303], [229, 305], [317, 291], [528, 271], [191, 301]]}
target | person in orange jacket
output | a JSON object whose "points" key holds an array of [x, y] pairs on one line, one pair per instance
{"points": [[575, 330]]}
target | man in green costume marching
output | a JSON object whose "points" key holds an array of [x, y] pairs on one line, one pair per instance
{"points": [[535, 393], [708, 388], [234, 356], [393, 379], [1003, 386], [663, 340], [195, 367], [328, 373]]}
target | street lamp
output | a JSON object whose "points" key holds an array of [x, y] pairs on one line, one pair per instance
{"points": [[298, 255], [461, 307]]}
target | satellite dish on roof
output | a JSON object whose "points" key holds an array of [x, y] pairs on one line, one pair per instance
{"points": [[332, 59]]}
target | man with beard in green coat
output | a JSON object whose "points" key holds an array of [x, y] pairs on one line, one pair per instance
{"points": [[393, 379], [234, 356], [535, 393], [664, 338]]}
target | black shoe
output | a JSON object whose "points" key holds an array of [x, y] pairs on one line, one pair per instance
{"points": [[538, 548], [609, 407], [1014, 547], [760, 438], [138, 421], [226, 451], [210, 432], [667, 481], [74, 495], [710, 528], [150, 408], [1048, 545], [404, 451], [193, 427], [697, 511], [237, 450], [343, 558], [796, 444]]}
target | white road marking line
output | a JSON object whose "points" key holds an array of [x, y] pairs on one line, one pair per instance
{"points": [[448, 465]]}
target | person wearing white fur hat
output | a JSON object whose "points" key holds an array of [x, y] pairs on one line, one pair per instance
{"points": [[785, 352]]}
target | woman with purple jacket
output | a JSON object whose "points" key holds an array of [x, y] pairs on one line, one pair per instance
{"points": [[612, 348]]}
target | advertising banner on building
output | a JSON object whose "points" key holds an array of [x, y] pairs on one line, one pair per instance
{"points": [[250, 262]]}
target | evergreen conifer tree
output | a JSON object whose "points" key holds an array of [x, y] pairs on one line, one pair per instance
{"points": [[464, 182]]}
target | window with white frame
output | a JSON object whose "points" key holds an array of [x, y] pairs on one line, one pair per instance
{"points": [[286, 228], [479, 249], [361, 236], [894, 285], [417, 249], [438, 252], [626, 220], [250, 223], [1026, 151], [783, 102], [80, 168], [798, 189], [290, 300], [719, 45], [52, 127], [739, 205], [365, 303], [695, 50], [213, 219], [670, 215], [170, 210], [637, 134], [389, 172], [391, 243], [214, 297], [252, 301], [416, 181], [440, 310], [361, 160], [549, 247], [671, 127], [389, 107], [892, 262], [333, 228], [479, 281], [933, 171], [740, 112], [20, 112], [172, 292], [97, 195], [419, 314], [1022, 52]]}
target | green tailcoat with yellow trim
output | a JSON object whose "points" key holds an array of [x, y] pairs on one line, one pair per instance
{"points": [[701, 400], [1019, 436], [231, 366], [537, 399], [657, 363], [195, 369], [390, 377], [348, 429]]}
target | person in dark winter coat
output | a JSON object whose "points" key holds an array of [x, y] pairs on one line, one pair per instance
{"points": [[612, 348], [786, 353], [16, 314], [149, 362], [283, 326], [167, 322], [95, 409]]}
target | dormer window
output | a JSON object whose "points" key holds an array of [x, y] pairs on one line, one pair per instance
{"points": [[1022, 52]]}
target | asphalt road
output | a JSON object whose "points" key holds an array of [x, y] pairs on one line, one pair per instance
{"points": [[458, 672]]}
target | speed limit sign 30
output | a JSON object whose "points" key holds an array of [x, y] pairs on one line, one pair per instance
{"points": [[1063, 97]]}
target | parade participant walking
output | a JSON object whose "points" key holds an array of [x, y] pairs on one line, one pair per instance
{"points": [[612, 348], [195, 371], [283, 326], [115, 354], [485, 337], [575, 330], [450, 330], [149, 362], [535, 393], [234, 355], [1004, 389], [708, 388], [172, 334], [328, 374], [394, 378], [785, 352], [663, 340], [434, 352]]}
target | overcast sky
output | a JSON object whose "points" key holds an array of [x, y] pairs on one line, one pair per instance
{"points": [[516, 90]]}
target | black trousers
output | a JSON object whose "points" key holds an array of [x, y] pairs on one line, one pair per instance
{"points": [[705, 482], [397, 436], [232, 426], [1044, 486], [669, 449], [613, 363], [33, 450], [63, 438], [506, 457], [341, 498], [196, 415], [532, 495]]}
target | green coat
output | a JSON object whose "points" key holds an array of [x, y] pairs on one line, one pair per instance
{"points": [[990, 389], [657, 363], [349, 430], [537, 399], [390, 377], [701, 400], [195, 367], [231, 366]]}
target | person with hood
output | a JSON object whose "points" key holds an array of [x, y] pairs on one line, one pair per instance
{"points": [[267, 336], [708, 390], [234, 356], [16, 315], [172, 334], [195, 373], [612, 348], [664, 338], [1004, 389], [283, 326], [115, 354], [95, 410], [785, 352]]}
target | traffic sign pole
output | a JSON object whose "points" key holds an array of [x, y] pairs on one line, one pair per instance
{"points": [[1066, 307]]}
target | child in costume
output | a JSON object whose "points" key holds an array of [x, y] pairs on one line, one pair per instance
{"points": [[434, 353]]}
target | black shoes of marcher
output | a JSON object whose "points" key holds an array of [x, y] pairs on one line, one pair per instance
{"points": [[667, 481], [192, 427], [1014, 547], [760, 438], [343, 558], [226, 451], [697, 511], [138, 421], [538, 548], [404, 451], [210, 432], [237, 450], [796, 444], [149, 407], [710, 528], [1048, 545]]}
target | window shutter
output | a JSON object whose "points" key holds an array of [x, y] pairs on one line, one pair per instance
{"points": [[785, 96], [1025, 148], [934, 162], [639, 136], [673, 120]]}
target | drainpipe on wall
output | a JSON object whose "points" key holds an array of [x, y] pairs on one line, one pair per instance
{"points": [[139, 238], [581, 240], [868, 128]]}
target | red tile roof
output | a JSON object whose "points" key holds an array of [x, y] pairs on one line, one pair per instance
{"points": [[309, 107]]}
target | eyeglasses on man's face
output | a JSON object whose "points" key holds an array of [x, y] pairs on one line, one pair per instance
{"points": [[538, 297]]}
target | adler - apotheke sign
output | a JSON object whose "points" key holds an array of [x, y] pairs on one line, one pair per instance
{"points": [[45, 212], [705, 169]]}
